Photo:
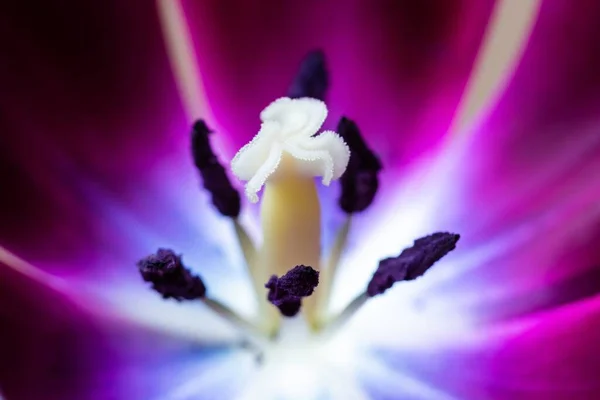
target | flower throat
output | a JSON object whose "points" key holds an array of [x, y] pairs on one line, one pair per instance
{"points": [[289, 273]]}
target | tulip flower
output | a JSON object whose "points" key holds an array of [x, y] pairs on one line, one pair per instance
{"points": [[300, 200]]}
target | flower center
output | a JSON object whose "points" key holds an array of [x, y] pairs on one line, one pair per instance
{"points": [[289, 272], [294, 367]]}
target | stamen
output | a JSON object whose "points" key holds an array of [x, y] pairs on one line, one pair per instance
{"points": [[286, 293], [169, 277], [224, 196], [336, 323], [409, 265], [328, 274], [253, 334], [251, 258], [312, 79], [359, 186], [412, 262], [360, 181]]}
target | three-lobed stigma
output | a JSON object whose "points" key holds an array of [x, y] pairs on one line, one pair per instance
{"points": [[288, 138]]}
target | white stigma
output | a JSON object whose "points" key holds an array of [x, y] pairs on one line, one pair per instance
{"points": [[288, 127]]}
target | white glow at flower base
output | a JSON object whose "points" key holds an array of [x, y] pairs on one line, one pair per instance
{"points": [[288, 373], [301, 366]]}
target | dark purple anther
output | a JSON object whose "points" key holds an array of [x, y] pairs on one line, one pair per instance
{"points": [[360, 180], [412, 262], [169, 277], [286, 293], [312, 79], [224, 196], [290, 308]]}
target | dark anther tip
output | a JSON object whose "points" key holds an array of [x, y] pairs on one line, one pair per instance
{"points": [[360, 181], [224, 196], [290, 308], [413, 262], [287, 292], [169, 277], [312, 79], [201, 148]]}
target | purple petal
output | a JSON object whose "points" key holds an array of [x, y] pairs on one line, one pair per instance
{"points": [[547, 261], [79, 100], [95, 152], [397, 69], [47, 343], [537, 151], [53, 348], [551, 355], [521, 187]]}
